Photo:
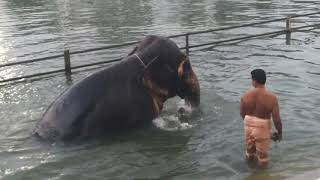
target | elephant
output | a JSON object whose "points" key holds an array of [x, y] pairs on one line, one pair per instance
{"points": [[126, 95]]}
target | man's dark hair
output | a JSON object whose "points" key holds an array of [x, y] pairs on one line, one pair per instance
{"points": [[259, 76]]}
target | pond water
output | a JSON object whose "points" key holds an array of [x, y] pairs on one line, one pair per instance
{"points": [[211, 146]]}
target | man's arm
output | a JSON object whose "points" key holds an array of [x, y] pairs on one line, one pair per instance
{"points": [[276, 118], [242, 109]]}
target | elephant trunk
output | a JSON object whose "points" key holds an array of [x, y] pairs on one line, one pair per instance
{"points": [[192, 95]]}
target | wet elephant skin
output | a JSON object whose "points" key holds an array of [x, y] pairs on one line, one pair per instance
{"points": [[124, 96]]}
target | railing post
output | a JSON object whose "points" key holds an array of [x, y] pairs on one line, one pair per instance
{"points": [[288, 29], [67, 63], [187, 44]]}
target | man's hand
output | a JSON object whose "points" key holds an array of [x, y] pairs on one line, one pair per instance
{"points": [[276, 137]]}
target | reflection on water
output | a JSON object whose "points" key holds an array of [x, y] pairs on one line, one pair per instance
{"points": [[210, 143]]}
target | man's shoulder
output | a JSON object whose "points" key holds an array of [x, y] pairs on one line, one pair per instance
{"points": [[272, 95], [248, 93]]}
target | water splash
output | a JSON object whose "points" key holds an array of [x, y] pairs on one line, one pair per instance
{"points": [[171, 123], [179, 121]]}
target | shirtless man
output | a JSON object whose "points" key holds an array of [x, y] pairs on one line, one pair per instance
{"points": [[256, 108]]}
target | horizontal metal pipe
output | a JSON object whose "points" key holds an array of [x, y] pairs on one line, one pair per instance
{"points": [[97, 63], [306, 26], [239, 26], [32, 75], [105, 47], [237, 39], [178, 35], [252, 36], [135, 42], [74, 52], [31, 61], [301, 15], [234, 27]]}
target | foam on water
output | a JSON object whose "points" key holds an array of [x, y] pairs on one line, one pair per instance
{"points": [[185, 106], [179, 121], [171, 123]]}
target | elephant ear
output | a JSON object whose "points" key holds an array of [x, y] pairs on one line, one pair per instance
{"points": [[184, 67]]}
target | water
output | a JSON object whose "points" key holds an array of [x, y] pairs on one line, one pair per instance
{"points": [[210, 146]]}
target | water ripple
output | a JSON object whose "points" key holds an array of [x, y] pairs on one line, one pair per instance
{"points": [[213, 145]]}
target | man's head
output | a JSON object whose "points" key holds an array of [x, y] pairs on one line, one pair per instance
{"points": [[258, 77]]}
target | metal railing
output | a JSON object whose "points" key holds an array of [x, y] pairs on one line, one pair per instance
{"points": [[67, 59]]}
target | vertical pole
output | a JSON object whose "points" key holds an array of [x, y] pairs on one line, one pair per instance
{"points": [[67, 63], [187, 44], [288, 29]]}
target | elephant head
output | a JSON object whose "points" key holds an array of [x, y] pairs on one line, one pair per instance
{"points": [[168, 71]]}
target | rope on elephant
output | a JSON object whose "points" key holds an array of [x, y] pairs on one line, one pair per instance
{"points": [[141, 61], [146, 66]]}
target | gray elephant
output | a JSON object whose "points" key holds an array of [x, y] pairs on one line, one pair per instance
{"points": [[125, 96]]}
